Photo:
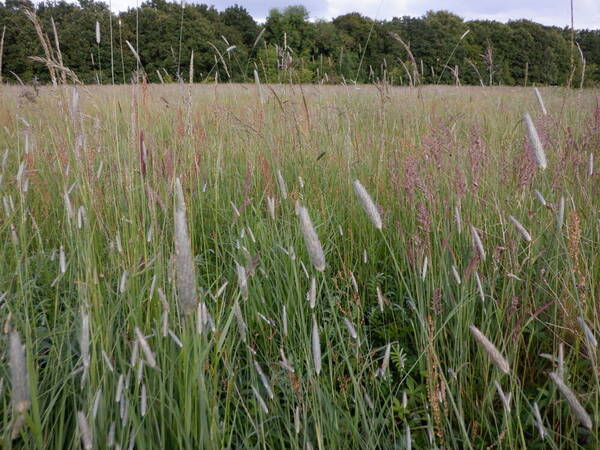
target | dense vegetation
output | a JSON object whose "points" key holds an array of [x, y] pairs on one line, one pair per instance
{"points": [[230, 45], [171, 291]]}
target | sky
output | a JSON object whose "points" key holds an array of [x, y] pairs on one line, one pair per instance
{"points": [[547, 12]]}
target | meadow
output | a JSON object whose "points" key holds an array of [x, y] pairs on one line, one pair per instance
{"points": [[299, 266]]}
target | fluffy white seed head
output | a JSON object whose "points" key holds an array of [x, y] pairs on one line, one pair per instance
{"points": [[576, 407], [540, 100], [456, 275], [589, 334], [185, 270], [540, 197], [380, 298], [312, 293], [457, 218], [264, 380], [386, 361], [479, 286], [477, 242], [316, 346], [97, 32], [536, 142], [257, 395], [504, 397], [284, 320], [242, 280], [271, 207], [494, 354], [18, 374], [368, 204], [241, 324], [524, 233], [538, 420], [148, 354], [560, 215], [282, 186], [351, 329], [311, 240], [84, 340], [84, 430], [143, 401]]}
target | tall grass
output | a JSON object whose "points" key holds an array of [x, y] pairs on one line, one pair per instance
{"points": [[98, 185]]}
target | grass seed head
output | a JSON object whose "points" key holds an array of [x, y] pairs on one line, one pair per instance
{"points": [[495, 355], [148, 354], [185, 270], [311, 240], [477, 242], [576, 407], [536, 142], [524, 233], [18, 374], [316, 346], [368, 204], [84, 430], [282, 186]]}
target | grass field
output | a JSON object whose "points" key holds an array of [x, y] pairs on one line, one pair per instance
{"points": [[210, 316]]}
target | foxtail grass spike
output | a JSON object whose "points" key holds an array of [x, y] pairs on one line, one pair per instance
{"points": [[264, 380], [477, 242], [540, 100], [520, 228], [351, 329], [490, 349], [560, 215], [538, 420], [148, 354], [540, 197], [185, 270], [242, 280], [312, 293], [456, 275], [316, 346], [380, 299], [84, 340], [282, 186], [271, 207], [589, 334], [368, 204], [504, 397], [576, 407], [237, 312], [479, 287], [311, 240], [386, 361], [18, 375], [84, 430], [536, 142], [260, 400]]}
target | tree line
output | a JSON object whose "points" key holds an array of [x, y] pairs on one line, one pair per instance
{"points": [[168, 42]]}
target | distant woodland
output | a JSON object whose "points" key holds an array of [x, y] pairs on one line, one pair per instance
{"points": [[168, 42]]}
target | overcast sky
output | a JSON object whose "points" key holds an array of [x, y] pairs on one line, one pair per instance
{"points": [[548, 12]]}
